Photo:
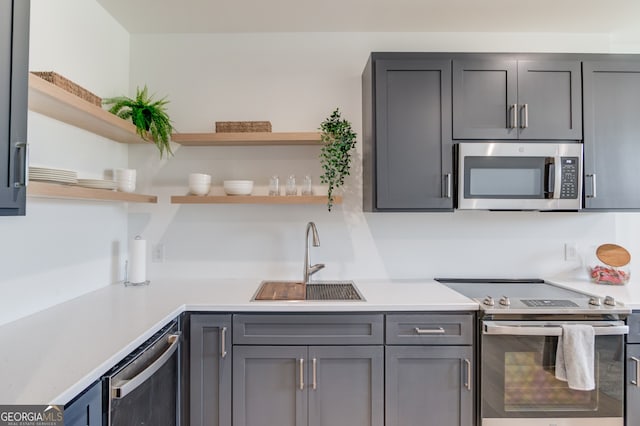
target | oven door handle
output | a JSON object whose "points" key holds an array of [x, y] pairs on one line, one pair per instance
{"points": [[604, 329], [125, 387]]}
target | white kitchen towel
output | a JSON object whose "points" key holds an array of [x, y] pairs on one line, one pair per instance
{"points": [[575, 355]]}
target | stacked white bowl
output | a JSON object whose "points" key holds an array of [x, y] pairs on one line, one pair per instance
{"points": [[238, 187], [125, 179], [199, 183]]}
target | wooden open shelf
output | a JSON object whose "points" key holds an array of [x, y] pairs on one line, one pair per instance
{"points": [[50, 100], [252, 199], [247, 139], [54, 190]]}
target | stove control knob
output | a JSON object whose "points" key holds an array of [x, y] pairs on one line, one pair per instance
{"points": [[595, 301], [504, 301], [488, 301], [609, 301]]}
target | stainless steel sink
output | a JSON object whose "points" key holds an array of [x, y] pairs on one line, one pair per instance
{"points": [[316, 291]]}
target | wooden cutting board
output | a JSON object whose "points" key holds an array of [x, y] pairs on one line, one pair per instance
{"points": [[282, 290], [613, 255]]}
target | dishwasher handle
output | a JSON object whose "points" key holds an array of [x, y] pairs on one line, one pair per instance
{"points": [[125, 387], [526, 328]]}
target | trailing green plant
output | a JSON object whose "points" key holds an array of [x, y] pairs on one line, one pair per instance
{"points": [[338, 140], [150, 117]]}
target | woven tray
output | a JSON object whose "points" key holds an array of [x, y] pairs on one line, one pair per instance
{"points": [[242, 126], [69, 86]]}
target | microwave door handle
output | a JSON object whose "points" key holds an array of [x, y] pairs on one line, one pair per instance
{"points": [[550, 179]]}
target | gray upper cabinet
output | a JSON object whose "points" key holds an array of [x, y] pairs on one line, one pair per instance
{"points": [[14, 60], [505, 98], [210, 370], [611, 129], [485, 97], [407, 163]]}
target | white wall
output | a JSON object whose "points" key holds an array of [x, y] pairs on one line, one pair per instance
{"points": [[63, 249], [295, 80]]}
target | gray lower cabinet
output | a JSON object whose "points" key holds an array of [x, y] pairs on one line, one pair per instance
{"points": [[407, 159], [632, 400], [429, 386], [611, 128], [632, 403], [308, 385], [210, 370], [14, 59], [86, 409], [429, 369], [505, 97]]}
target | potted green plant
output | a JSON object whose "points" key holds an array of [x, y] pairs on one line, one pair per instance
{"points": [[150, 117], [338, 140]]}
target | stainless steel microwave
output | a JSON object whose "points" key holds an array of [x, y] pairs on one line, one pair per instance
{"points": [[519, 176]]}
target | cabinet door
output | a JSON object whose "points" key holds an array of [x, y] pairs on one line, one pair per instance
{"points": [[485, 99], [413, 146], [632, 414], [549, 100], [346, 385], [86, 410], [210, 366], [611, 129], [14, 56], [269, 385], [429, 386]]}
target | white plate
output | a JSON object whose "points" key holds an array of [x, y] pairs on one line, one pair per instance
{"points": [[97, 183]]}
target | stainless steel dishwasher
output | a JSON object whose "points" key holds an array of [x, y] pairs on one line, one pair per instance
{"points": [[143, 388]]}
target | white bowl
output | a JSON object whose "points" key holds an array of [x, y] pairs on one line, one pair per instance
{"points": [[199, 188], [199, 178], [238, 187]]}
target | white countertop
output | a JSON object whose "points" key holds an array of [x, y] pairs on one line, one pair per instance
{"points": [[627, 294], [51, 356]]}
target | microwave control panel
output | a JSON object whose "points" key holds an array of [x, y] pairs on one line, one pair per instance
{"points": [[569, 179]]}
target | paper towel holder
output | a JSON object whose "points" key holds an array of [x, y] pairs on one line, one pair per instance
{"points": [[126, 281]]}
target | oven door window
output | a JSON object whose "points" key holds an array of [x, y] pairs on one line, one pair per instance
{"points": [[518, 379], [506, 177]]}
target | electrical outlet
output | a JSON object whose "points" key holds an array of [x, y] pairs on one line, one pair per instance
{"points": [[570, 252], [157, 253]]}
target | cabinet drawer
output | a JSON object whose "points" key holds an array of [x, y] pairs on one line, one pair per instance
{"points": [[429, 329], [633, 321], [317, 329]]}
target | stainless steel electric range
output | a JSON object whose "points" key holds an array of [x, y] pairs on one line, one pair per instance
{"points": [[519, 324]]}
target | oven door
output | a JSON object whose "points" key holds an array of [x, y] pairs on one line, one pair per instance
{"points": [[518, 385]]}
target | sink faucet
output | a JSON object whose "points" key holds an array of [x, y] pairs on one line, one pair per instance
{"points": [[311, 269]]}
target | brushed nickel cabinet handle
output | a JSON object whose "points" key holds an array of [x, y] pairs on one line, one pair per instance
{"points": [[438, 330], [23, 179], [636, 382], [514, 116], [223, 343], [447, 185], [314, 384], [594, 192], [301, 361], [467, 383], [525, 118]]}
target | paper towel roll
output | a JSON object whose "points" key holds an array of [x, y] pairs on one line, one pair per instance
{"points": [[138, 261]]}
